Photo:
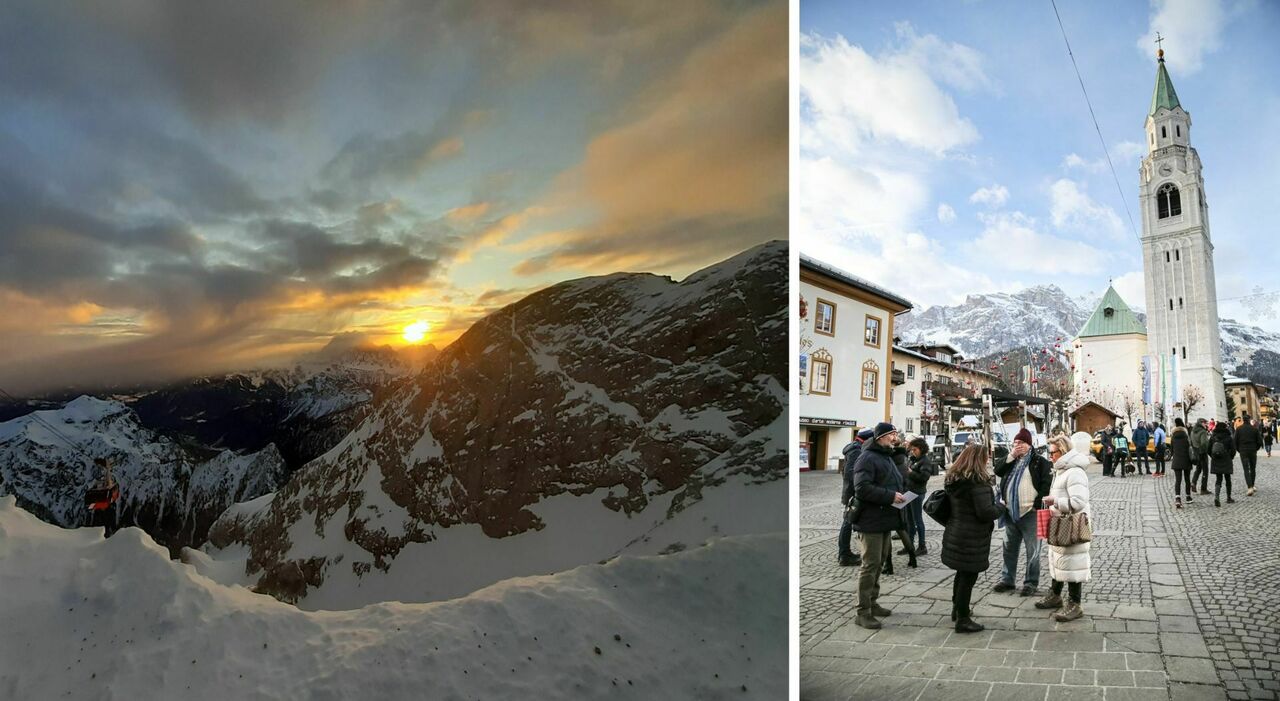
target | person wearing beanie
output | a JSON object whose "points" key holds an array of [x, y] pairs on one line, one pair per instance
{"points": [[1025, 479], [847, 557], [877, 487], [1222, 454]]}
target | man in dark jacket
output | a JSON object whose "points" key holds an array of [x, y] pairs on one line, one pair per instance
{"points": [[1025, 478], [1140, 438], [1248, 441], [1200, 455], [878, 487], [848, 558]]}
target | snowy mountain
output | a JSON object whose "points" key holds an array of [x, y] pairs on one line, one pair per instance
{"points": [[991, 324], [623, 414], [173, 491], [304, 409], [86, 617]]}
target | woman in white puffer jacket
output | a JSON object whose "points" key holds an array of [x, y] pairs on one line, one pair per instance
{"points": [[1069, 493]]}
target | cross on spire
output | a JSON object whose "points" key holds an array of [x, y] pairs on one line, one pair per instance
{"points": [[1159, 45]]}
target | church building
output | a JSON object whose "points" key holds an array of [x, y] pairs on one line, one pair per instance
{"points": [[1116, 358]]}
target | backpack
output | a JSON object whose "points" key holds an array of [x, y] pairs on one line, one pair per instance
{"points": [[1220, 450], [938, 506]]}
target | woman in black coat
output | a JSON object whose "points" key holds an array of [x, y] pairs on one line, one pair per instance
{"points": [[1222, 460], [966, 542], [1180, 452]]}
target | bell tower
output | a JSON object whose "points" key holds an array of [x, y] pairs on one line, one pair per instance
{"points": [[1177, 254]]}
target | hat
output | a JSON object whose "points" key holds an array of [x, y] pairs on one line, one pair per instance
{"points": [[884, 428], [1024, 435], [865, 434]]}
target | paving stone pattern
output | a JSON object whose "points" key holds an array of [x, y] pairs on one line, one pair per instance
{"points": [[1179, 607]]}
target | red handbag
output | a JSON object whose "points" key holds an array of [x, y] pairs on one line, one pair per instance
{"points": [[1042, 523]]}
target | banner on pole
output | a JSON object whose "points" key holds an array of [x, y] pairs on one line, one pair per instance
{"points": [[1146, 379]]}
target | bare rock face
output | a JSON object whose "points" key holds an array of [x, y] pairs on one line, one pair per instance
{"points": [[630, 389]]}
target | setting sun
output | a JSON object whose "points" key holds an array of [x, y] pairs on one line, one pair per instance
{"points": [[415, 332]]}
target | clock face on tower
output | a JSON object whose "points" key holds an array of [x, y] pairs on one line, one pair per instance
{"points": [[1166, 170]]}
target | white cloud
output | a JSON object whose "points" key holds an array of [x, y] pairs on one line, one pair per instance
{"points": [[1132, 289], [856, 200], [1124, 156], [946, 214], [1192, 28], [851, 97], [1071, 208], [1011, 241], [993, 197]]}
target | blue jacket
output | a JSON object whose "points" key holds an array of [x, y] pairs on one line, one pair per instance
{"points": [[1159, 437], [1140, 438]]}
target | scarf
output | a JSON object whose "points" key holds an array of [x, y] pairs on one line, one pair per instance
{"points": [[1013, 499]]}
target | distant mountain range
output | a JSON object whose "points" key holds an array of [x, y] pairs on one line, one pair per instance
{"points": [[986, 325]]}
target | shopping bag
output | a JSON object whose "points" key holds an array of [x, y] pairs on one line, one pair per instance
{"points": [[1042, 523]]}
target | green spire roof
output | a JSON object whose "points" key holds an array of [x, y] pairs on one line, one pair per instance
{"points": [[1119, 320], [1164, 95]]}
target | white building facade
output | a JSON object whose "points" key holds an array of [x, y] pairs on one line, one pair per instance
{"points": [[846, 342], [1177, 253]]}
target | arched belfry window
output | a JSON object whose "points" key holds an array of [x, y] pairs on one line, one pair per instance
{"points": [[1168, 201]]}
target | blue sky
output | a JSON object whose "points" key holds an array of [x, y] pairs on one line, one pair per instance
{"points": [[946, 148], [196, 187]]}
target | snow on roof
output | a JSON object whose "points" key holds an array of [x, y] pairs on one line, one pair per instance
{"points": [[853, 280]]}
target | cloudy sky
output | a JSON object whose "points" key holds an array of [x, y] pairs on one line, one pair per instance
{"points": [[190, 187], [946, 148]]}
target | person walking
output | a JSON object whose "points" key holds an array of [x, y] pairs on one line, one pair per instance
{"points": [[922, 469], [1120, 461], [1222, 453], [1268, 435], [1180, 453], [1106, 451], [1068, 494], [1025, 477], [966, 541], [901, 462], [1247, 442], [1200, 455], [877, 487], [1141, 436], [1161, 448], [848, 558]]}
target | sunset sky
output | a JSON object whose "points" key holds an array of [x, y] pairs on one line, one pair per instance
{"points": [[195, 187]]}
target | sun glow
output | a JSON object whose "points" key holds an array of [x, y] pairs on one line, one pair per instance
{"points": [[415, 332]]}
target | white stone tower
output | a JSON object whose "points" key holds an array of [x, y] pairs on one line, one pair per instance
{"points": [[1177, 253]]}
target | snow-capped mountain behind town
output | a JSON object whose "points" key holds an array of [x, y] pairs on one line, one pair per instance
{"points": [[990, 324], [623, 414], [173, 491]]}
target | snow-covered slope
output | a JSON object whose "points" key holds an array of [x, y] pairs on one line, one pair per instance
{"points": [[171, 490], [88, 618], [990, 324], [620, 414]]}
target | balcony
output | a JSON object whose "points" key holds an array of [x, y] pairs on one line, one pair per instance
{"points": [[898, 377], [944, 389]]}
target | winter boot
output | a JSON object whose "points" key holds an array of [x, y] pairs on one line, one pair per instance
{"points": [[1189, 499], [1070, 612], [1230, 500], [866, 620], [880, 612], [1177, 502], [966, 625], [911, 560], [922, 550], [1051, 601], [888, 566], [1218, 502]]}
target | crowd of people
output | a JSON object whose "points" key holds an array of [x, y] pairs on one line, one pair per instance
{"points": [[1018, 491]]}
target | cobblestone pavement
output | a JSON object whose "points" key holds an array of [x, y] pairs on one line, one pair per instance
{"points": [[1177, 607]]}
